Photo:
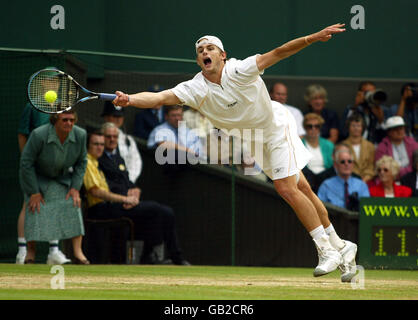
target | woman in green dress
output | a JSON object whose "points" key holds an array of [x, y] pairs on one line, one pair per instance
{"points": [[52, 167]]}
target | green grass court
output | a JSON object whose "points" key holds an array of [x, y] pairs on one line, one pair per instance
{"points": [[144, 282]]}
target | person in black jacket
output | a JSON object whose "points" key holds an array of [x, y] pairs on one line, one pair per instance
{"points": [[146, 120], [159, 219], [411, 179]]}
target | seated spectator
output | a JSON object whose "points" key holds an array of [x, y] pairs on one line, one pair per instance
{"points": [[411, 179], [362, 149], [147, 119], [374, 115], [407, 108], [397, 145], [387, 170], [316, 97], [127, 147], [200, 125], [320, 148], [343, 190], [112, 195], [174, 134], [278, 92], [329, 173]]}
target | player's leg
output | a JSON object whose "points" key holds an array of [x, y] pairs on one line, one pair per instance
{"points": [[304, 209], [303, 185], [346, 248], [329, 258], [21, 241]]}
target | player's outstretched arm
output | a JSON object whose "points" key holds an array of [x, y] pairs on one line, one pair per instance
{"points": [[290, 48], [146, 100]]}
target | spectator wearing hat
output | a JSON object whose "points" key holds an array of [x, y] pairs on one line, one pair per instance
{"points": [[146, 120], [127, 147], [397, 145]]}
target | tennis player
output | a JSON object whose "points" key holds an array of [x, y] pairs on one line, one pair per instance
{"points": [[232, 95]]}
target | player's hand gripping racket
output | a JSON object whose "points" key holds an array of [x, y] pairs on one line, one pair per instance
{"points": [[54, 91]]}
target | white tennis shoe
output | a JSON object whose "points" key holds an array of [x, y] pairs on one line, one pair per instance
{"points": [[57, 258], [20, 258], [348, 268], [329, 260]]}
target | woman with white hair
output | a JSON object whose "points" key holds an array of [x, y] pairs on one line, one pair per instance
{"points": [[316, 96], [387, 169]]}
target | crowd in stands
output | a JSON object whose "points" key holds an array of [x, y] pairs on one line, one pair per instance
{"points": [[372, 151], [345, 152]]}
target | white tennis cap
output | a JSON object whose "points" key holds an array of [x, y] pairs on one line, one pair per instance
{"points": [[209, 40], [394, 122]]}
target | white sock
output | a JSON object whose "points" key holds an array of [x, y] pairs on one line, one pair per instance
{"points": [[335, 240], [53, 246], [317, 232], [320, 238], [21, 243]]}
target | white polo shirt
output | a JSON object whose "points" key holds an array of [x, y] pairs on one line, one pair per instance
{"points": [[238, 102], [242, 101]]}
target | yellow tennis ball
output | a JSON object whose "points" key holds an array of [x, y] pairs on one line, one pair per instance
{"points": [[50, 96]]}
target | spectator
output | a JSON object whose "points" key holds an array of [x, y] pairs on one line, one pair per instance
{"points": [[278, 92], [52, 167], [362, 149], [328, 173], [200, 125], [411, 179], [397, 145], [387, 169], [320, 148], [407, 108], [154, 222], [374, 115], [173, 135], [127, 147], [316, 96], [29, 120], [343, 190], [146, 120]]}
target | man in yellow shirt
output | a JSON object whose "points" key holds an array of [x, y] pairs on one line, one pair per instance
{"points": [[148, 216]]}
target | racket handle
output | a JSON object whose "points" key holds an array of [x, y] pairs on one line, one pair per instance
{"points": [[107, 96]]}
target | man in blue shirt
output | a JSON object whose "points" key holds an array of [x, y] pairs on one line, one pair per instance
{"points": [[173, 134], [343, 189]]}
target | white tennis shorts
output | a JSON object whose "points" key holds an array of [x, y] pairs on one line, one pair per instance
{"points": [[284, 153]]}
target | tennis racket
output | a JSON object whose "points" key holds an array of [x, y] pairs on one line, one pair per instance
{"points": [[65, 91]]}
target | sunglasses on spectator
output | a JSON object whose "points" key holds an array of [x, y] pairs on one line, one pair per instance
{"points": [[382, 169], [311, 126], [97, 143], [68, 119], [111, 136], [346, 161]]}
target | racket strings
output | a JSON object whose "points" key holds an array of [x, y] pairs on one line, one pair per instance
{"points": [[61, 84]]}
